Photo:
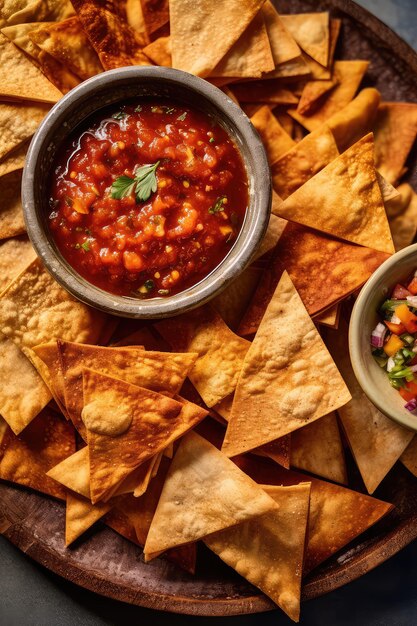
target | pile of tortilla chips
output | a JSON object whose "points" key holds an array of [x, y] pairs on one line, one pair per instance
{"points": [[189, 429]]}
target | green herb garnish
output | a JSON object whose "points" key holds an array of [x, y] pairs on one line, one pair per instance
{"points": [[211, 140], [85, 246], [217, 207], [182, 117], [143, 184], [138, 108], [120, 115]]}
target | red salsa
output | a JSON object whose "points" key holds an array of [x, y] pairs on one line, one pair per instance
{"points": [[147, 198]]}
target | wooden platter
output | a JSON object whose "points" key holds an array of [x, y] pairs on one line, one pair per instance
{"points": [[106, 563]]}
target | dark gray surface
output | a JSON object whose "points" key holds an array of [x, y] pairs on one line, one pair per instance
{"points": [[32, 596]]}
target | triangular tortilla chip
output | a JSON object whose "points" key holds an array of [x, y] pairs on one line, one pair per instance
{"points": [[311, 32], [18, 122], [19, 35], [344, 200], [318, 448], [312, 92], [155, 14], [302, 162], [17, 11], [157, 371], [57, 72], [159, 51], [275, 139], [232, 303], [45, 442], [80, 515], [388, 191], [376, 441], [324, 271], [203, 33], [266, 91], [220, 351], [15, 255], [49, 355], [67, 42], [283, 45], [278, 451], [204, 492], [20, 79], [275, 563], [15, 160], [330, 317], [395, 131], [280, 389], [110, 35], [11, 214], [409, 456], [275, 229], [404, 226], [126, 425], [398, 205], [337, 515], [348, 75]]}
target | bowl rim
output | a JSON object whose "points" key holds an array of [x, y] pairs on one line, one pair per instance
{"points": [[370, 390], [235, 261]]}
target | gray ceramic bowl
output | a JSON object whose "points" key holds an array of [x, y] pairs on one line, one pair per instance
{"points": [[372, 378], [118, 86]]}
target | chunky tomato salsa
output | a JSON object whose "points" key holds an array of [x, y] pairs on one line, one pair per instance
{"points": [[147, 198]]}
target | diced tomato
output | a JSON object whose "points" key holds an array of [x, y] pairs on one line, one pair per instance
{"points": [[409, 391], [397, 329], [412, 287], [407, 318], [400, 292]]}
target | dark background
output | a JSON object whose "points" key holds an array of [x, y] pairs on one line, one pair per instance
{"points": [[33, 596]]}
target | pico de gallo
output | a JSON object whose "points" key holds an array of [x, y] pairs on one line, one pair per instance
{"points": [[147, 198], [394, 340]]}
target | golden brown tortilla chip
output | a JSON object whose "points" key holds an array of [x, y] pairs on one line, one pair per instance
{"points": [[18, 122], [274, 564], [232, 303], [337, 515], [11, 214], [275, 229], [159, 51], [127, 425], [23, 393], [324, 271], [311, 32], [395, 131], [409, 456], [19, 11], [15, 160], [80, 515], [330, 317], [293, 68], [302, 162], [348, 75], [110, 35], [20, 79], [266, 91], [318, 448], [275, 139], [404, 226], [19, 35], [155, 14], [283, 45], [15, 255], [312, 92], [45, 442], [278, 451], [48, 353], [57, 73], [344, 200], [157, 371], [398, 205], [134, 16], [376, 441], [220, 351], [67, 42], [202, 33], [207, 492], [280, 389], [388, 191], [250, 56]]}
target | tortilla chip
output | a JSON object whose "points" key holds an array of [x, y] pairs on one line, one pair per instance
{"points": [[203, 33], [344, 200], [157, 371], [20, 79], [395, 131], [110, 35], [15, 255], [19, 35], [312, 92], [337, 514], [388, 191], [134, 15], [274, 564], [144, 337], [80, 515], [45, 442], [275, 139], [330, 317], [409, 456], [159, 51], [290, 69], [268, 92], [398, 205], [18, 122], [404, 226], [278, 451], [126, 425], [302, 162], [18, 11], [335, 26], [283, 45], [119, 522], [250, 56], [279, 389], [23, 393], [220, 351], [275, 229], [318, 448], [204, 492], [67, 42], [155, 14], [311, 32], [57, 73], [48, 353], [34, 309], [348, 75], [376, 441], [11, 214], [231, 303], [15, 160]]}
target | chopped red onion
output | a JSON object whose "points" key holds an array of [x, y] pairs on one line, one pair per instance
{"points": [[395, 319], [378, 335], [412, 300], [411, 405]]}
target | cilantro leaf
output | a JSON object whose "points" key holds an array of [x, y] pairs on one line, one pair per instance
{"points": [[122, 187], [85, 246], [143, 184], [182, 117], [217, 207]]}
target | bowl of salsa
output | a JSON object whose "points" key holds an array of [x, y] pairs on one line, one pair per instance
{"points": [[146, 191], [383, 338]]}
